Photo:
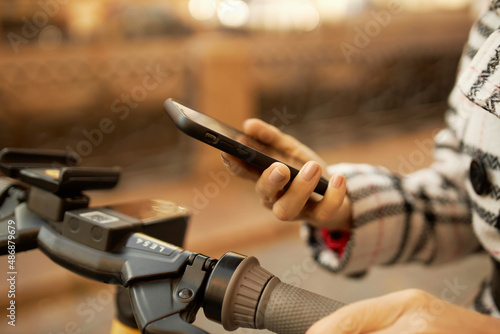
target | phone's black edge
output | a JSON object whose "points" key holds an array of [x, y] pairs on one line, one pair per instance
{"points": [[198, 132], [182, 122]]}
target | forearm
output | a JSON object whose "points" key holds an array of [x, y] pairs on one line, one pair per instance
{"points": [[420, 217]]}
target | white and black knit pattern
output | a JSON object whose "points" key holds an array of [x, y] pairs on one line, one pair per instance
{"points": [[484, 303], [434, 215]]}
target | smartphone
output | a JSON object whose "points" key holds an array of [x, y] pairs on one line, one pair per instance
{"points": [[232, 141]]}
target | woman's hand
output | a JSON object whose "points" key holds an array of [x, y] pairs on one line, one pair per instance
{"points": [[405, 312], [298, 201]]}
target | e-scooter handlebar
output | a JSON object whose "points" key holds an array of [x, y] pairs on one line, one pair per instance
{"points": [[135, 247], [292, 310], [250, 296]]}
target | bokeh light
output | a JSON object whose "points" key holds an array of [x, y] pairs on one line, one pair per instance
{"points": [[202, 9], [233, 13]]}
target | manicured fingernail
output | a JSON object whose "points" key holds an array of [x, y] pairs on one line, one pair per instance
{"points": [[310, 170], [225, 161], [276, 176], [337, 181]]}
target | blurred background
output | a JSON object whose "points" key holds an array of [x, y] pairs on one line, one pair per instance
{"points": [[357, 80]]}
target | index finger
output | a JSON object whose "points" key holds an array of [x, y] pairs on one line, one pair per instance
{"points": [[267, 134], [271, 135]]}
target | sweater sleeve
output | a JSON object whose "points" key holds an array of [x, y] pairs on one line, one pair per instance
{"points": [[424, 216]]}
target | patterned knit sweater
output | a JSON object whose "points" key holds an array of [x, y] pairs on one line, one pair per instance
{"points": [[441, 213]]}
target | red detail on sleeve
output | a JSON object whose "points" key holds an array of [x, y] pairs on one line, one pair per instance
{"points": [[336, 241]]}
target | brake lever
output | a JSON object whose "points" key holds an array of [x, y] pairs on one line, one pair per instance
{"points": [[166, 283], [182, 297]]}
